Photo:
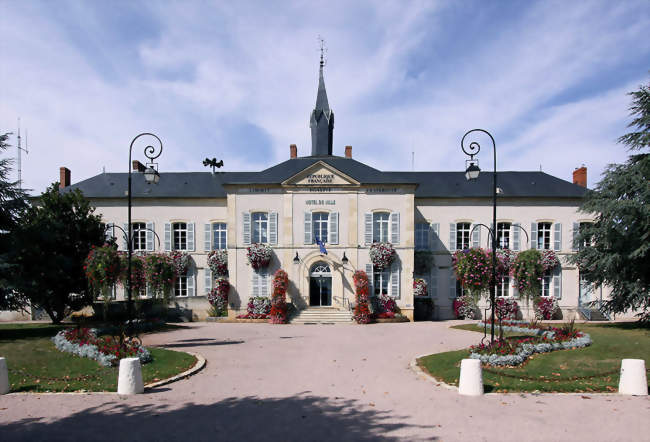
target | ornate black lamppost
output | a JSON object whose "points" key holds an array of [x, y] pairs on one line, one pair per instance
{"points": [[151, 176], [471, 173]]}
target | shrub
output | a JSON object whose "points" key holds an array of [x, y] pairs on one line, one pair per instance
{"points": [[528, 272], [181, 261], [382, 255], [419, 287], [278, 313], [218, 262], [473, 269], [361, 310], [160, 273], [465, 307], [218, 297], [506, 308], [545, 308], [259, 255]]}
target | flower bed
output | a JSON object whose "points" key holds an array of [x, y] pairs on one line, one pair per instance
{"points": [[218, 262], [278, 313], [465, 307], [259, 255], [258, 307], [510, 352], [218, 298], [106, 350], [382, 255], [361, 310]]}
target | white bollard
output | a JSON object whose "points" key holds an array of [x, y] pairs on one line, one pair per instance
{"points": [[633, 378], [471, 378], [4, 377], [130, 378]]}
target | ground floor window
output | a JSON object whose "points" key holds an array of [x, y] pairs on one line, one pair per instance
{"points": [[380, 282], [180, 286], [546, 284], [503, 287]]}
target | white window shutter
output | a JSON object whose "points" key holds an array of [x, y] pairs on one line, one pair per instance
{"points": [[207, 237], [125, 238], [452, 285], [264, 286], [533, 235], [333, 231], [190, 282], [208, 280], [190, 237], [557, 236], [433, 285], [476, 236], [255, 287], [515, 237], [246, 229], [452, 237], [368, 228], [557, 283], [394, 227], [168, 237], [370, 279], [308, 230], [394, 281], [273, 228], [574, 241], [150, 237], [435, 238]]}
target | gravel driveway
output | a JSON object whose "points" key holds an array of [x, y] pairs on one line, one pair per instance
{"points": [[318, 382]]}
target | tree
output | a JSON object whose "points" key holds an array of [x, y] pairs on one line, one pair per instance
{"points": [[617, 251], [13, 203], [49, 248]]}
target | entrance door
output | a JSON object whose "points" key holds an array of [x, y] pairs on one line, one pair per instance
{"points": [[320, 285]]}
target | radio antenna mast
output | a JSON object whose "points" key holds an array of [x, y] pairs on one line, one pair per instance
{"points": [[20, 149]]}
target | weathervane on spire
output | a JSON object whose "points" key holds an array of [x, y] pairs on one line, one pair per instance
{"points": [[323, 51]]}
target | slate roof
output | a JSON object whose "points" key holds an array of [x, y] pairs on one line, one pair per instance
{"points": [[429, 184]]}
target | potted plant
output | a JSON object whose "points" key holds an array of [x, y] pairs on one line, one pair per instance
{"points": [[382, 255], [218, 262], [259, 255]]}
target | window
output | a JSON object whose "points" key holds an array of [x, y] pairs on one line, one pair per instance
{"points": [[180, 236], [546, 284], [543, 236], [422, 236], [503, 235], [218, 236], [260, 229], [380, 227], [587, 241], [462, 236], [320, 221], [180, 286], [139, 236], [460, 291], [380, 282], [503, 287]]}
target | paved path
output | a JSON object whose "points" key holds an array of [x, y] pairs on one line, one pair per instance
{"points": [[318, 382]]}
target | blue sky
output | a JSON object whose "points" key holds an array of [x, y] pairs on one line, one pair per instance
{"points": [[237, 81]]}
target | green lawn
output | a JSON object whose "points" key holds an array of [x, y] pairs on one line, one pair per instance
{"points": [[36, 365], [598, 364]]}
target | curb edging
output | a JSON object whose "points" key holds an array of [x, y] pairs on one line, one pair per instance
{"points": [[200, 363]]}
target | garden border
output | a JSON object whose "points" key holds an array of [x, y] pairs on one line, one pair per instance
{"points": [[200, 364]]}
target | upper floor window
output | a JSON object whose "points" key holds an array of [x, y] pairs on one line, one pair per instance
{"points": [[422, 236], [380, 221], [219, 232], [462, 235], [320, 221], [180, 236], [139, 236], [260, 227], [503, 235], [586, 240], [543, 236]]}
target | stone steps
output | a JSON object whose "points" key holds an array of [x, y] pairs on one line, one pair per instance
{"points": [[322, 315]]}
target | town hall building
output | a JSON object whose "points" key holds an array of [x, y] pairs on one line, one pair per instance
{"points": [[348, 205]]}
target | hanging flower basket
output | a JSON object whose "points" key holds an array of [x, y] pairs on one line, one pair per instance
{"points": [[505, 260], [160, 273], [419, 287], [382, 255], [218, 262], [549, 260], [473, 268], [528, 272], [103, 266], [138, 277], [259, 255], [181, 261]]}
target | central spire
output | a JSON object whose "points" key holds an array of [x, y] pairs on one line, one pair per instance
{"points": [[322, 117]]}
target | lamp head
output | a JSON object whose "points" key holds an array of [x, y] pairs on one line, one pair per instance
{"points": [[296, 259], [344, 260], [151, 176], [472, 172]]}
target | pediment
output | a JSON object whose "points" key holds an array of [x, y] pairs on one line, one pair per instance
{"points": [[320, 174]]}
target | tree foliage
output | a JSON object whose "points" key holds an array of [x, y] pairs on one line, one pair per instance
{"points": [[49, 248], [13, 203], [617, 244]]}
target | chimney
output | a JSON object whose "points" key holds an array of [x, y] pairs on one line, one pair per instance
{"points": [[348, 151], [64, 177], [293, 151], [580, 176]]}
